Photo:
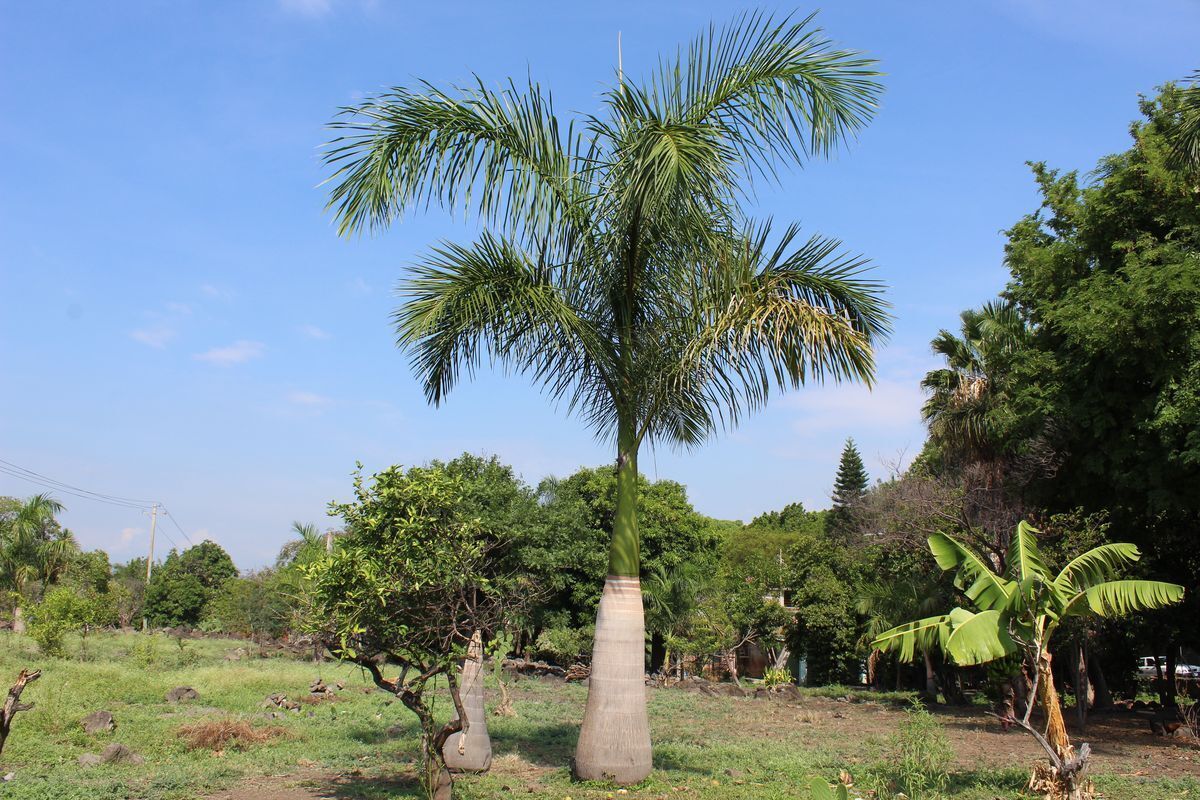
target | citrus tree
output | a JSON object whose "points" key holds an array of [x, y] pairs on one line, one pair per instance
{"points": [[618, 269], [1018, 612]]}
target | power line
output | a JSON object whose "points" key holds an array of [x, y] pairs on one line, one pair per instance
{"points": [[178, 527], [46, 482], [17, 471]]}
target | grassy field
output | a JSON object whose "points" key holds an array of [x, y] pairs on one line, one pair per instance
{"points": [[362, 744]]}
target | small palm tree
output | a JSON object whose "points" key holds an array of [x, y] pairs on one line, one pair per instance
{"points": [[31, 549], [963, 394], [308, 545], [1018, 612], [618, 270]]}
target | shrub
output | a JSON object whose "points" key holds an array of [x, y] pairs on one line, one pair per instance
{"points": [[63, 610], [773, 677], [144, 652], [563, 646]]}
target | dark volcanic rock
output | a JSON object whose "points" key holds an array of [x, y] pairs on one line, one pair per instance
{"points": [[98, 722]]}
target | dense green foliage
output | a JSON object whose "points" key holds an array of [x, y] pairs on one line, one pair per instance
{"points": [[181, 589]]}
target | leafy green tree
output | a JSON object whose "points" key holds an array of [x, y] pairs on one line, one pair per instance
{"points": [[620, 272], [64, 610], [259, 604], [1018, 613], [308, 546], [824, 576], [182, 587], [414, 579], [1106, 273]]}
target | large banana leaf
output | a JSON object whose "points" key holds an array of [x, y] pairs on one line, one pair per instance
{"points": [[980, 638], [1095, 566], [986, 589], [1116, 598], [1025, 562], [910, 637]]}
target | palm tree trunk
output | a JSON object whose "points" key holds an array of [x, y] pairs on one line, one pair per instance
{"points": [[18, 620], [614, 741], [470, 750], [1081, 686]]}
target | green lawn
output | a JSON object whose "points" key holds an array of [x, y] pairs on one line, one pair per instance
{"points": [[362, 745]]}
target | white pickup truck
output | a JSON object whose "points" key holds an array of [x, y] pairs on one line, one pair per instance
{"points": [[1146, 667]]}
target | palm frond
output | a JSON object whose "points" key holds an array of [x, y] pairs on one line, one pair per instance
{"points": [[503, 155], [492, 300]]}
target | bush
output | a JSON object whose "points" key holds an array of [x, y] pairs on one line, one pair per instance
{"points": [[563, 646], [144, 652], [773, 677], [63, 610]]}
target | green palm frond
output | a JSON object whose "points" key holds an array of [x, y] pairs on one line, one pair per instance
{"points": [[974, 576], [501, 154], [1095, 566], [1117, 598], [1186, 137], [980, 638], [492, 300]]}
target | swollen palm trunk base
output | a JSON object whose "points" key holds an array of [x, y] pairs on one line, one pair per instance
{"points": [[470, 750], [614, 742]]}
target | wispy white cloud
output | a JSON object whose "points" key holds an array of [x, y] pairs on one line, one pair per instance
{"points": [[216, 292], [313, 332], [359, 286], [239, 352], [307, 8], [129, 534], [153, 337], [309, 399], [890, 405]]}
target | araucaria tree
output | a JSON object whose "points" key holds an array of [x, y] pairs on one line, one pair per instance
{"points": [[1018, 612], [413, 582], [618, 269], [849, 486]]}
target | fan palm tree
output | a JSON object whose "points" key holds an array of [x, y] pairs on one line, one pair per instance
{"points": [[31, 549], [618, 270], [963, 394], [1018, 612]]}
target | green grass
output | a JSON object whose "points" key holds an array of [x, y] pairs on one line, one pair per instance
{"points": [[364, 745]]}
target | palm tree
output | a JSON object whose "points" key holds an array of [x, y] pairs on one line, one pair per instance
{"points": [[963, 394], [308, 545], [31, 549], [618, 270], [1186, 137], [1018, 613], [884, 603], [669, 596]]}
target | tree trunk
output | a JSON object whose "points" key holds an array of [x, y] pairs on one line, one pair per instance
{"points": [[1170, 684], [18, 620], [1103, 695], [658, 653], [470, 750], [1081, 686], [1056, 731], [931, 688], [13, 704], [614, 740]]}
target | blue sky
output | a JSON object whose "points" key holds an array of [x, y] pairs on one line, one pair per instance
{"points": [[180, 322]]}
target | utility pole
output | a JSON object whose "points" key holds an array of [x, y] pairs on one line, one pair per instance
{"points": [[149, 562]]}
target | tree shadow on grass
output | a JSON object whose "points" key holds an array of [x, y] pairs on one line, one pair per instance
{"points": [[550, 745], [364, 786]]}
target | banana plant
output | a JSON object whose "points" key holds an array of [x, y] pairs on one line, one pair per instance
{"points": [[1018, 611]]}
